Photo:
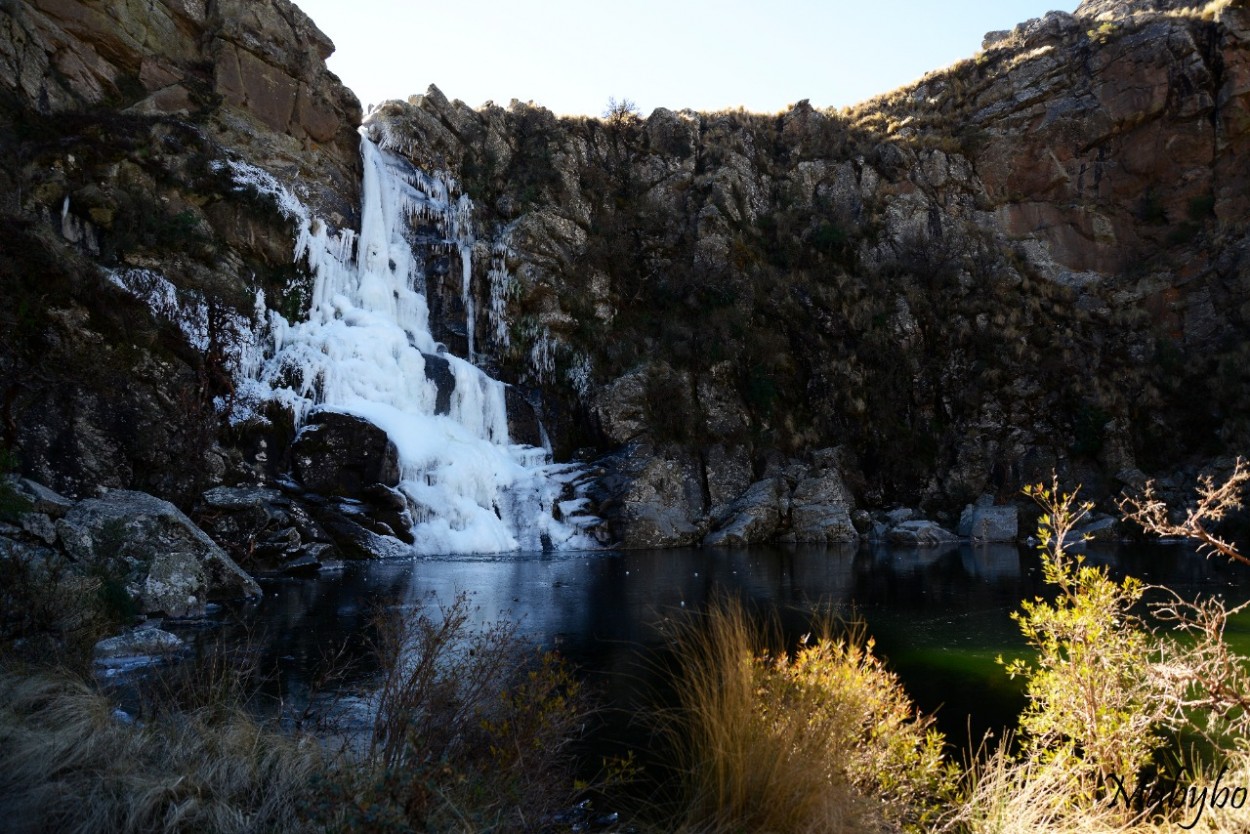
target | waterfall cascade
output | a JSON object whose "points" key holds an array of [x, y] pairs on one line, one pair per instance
{"points": [[364, 348]]}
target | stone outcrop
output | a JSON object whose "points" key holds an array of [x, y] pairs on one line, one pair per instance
{"points": [[170, 564], [265, 62], [133, 257]]}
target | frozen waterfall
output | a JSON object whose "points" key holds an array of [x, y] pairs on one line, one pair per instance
{"points": [[364, 348]]}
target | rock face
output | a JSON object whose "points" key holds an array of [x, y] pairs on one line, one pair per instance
{"points": [[132, 257], [172, 566], [913, 280], [699, 303], [265, 61]]}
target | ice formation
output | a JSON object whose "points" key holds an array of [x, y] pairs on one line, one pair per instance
{"points": [[364, 350]]}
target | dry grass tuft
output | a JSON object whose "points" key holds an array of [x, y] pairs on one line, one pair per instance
{"points": [[70, 763], [823, 740]]}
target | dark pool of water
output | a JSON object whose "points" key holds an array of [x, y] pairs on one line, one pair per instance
{"points": [[939, 615]]}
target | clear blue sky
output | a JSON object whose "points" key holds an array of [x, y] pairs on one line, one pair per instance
{"points": [[572, 56]]}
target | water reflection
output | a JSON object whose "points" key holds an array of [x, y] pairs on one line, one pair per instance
{"points": [[940, 615]]}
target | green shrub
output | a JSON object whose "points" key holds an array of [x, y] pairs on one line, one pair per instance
{"points": [[1093, 703]]}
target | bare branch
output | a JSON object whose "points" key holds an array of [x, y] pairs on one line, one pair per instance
{"points": [[1215, 502]]}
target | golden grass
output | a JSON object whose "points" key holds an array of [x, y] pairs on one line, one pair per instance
{"points": [[821, 741], [1012, 795]]}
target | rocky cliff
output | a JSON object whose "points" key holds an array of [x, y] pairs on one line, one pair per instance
{"points": [[128, 255], [747, 325], [1033, 259]]}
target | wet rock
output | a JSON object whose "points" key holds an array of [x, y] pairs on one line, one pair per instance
{"points": [[339, 454], [171, 565], [920, 533]]}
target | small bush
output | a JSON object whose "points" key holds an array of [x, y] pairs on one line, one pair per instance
{"points": [[824, 739], [472, 731], [1093, 705]]}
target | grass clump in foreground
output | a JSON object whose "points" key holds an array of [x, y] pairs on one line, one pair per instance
{"points": [[472, 731], [823, 739], [69, 763], [1110, 695]]}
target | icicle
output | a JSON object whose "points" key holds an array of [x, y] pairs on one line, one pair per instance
{"points": [[363, 351]]}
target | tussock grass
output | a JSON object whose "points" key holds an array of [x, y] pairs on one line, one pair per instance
{"points": [[69, 763], [824, 740], [1006, 794]]}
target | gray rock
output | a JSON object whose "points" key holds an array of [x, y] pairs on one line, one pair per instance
{"points": [[339, 454], [753, 518], [40, 526], [994, 38], [821, 505], [728, 472], [142, 642], [621, 407], [990, 524], [651, 497], [898, 516], [920, 533], [170, 564], [42, 500], [357, 534], [263, 529]]}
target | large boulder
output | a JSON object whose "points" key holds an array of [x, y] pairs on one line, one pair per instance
{"points": [[342, 455], [820, 508], [651, 497], [753, 518], [169, 565], [989, 523]]}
